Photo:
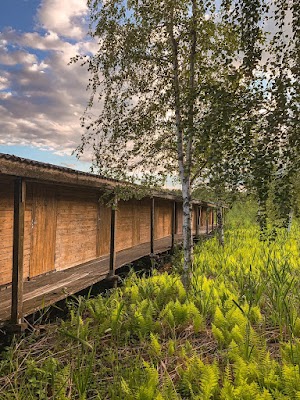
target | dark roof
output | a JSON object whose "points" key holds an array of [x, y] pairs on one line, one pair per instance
{"points": [[40, 164], [40, 171]]}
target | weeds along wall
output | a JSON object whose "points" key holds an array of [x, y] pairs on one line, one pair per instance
{"points": [[65, 226]]}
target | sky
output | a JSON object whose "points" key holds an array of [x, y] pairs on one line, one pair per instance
{"points": [[41, 96]]}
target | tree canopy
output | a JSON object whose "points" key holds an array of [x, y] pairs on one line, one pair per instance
{"points": [[195, 89]]}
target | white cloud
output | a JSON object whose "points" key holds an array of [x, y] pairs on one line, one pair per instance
{"points": [[4, 83], [66, 18], [35, 41], [16, 57], [41, 96]]}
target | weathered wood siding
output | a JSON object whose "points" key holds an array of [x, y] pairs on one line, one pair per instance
{"points": [[6, 229], [203, 217], [28, 231], [65, 226], [103, 230], [179, 218], [210, 219], [77, 223], [133, 223], [194, 219], [144, 212], [125, 225], [43, 234], [163, 218]]}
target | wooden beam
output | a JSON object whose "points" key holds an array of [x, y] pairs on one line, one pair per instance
{"points": [[112, 252], [17, 318], [173, 225], [98, 232], [152, 226], [212, 218]]}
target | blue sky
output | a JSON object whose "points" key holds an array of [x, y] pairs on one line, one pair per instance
{"points": [[41, 96], [19, 14]]}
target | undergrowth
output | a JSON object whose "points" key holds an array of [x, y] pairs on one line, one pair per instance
{"points": [[234, 336]]}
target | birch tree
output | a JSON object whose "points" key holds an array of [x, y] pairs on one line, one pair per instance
{"points": [[266, 158], [275, 156], [155, 81]]}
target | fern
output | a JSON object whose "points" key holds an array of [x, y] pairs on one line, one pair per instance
{"points": [[154, 346], [291, 379], [148, 390], [180, 316], [199, 380], [218, 335]]}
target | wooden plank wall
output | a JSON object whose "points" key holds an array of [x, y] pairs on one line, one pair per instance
{"points": [[203, 217], [194, 219], [163, 218], [43, 229], [103, 234], [179, 218], [6, 229], [65, 227], [144, 207], [133, 223], [125, 224], [77, 226], [27, 230], [210, 219]]}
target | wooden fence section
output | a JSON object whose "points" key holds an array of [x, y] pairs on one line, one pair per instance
{"points": [[58, 238]]}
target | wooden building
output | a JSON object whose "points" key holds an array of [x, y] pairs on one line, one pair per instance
{"points": [[57, 237]]}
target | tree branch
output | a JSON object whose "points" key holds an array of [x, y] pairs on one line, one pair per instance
{"points": [[196, 174], [191, 97]]}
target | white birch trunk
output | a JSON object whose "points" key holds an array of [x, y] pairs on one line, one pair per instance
{"points": [[184, 152], [186, 178], [187, 232], [220, 226], [290, 221]]}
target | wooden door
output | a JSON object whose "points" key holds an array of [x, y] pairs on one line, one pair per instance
{"points": [[44, 215]]}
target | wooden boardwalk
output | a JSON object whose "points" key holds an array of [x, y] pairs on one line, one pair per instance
{"points": [[59, 236], [48, 289]]}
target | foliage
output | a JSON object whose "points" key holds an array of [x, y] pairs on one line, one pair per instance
{"points": [[234, 335], [177, 87]]}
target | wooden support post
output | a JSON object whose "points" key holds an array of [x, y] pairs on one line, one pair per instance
{"points": [[200, 218], [152, 226], [17, 319], [207, 221], [212, 218], [198, 222], [112, 252], [173, 226]]}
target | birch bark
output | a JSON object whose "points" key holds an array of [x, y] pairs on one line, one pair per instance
{"points": [[220, 226], [184, 153]]}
